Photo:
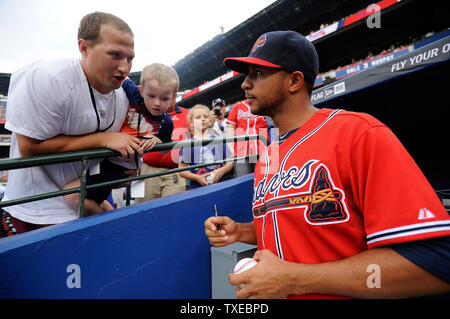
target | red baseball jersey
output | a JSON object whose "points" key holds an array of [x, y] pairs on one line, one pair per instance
{"points": [[340, 184], [247, 123], [180, 123]]}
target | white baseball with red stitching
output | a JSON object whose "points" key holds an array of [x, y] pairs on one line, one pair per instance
{"points": [[244, 265]]}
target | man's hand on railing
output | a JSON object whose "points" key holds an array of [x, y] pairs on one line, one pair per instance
{"points": [[125, 144]]}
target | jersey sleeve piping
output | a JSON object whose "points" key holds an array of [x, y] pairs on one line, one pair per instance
{"points": [[409, 232]]}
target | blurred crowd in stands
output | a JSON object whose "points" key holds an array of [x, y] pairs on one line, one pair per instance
{"points": [[330, 75]]}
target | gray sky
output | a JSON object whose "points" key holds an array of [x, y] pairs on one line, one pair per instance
{"points": [[165, 30]]}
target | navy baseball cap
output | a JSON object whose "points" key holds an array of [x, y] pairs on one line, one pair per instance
{"points": [[218, 101], [287, 50]]}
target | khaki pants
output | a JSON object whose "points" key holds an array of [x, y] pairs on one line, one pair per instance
{"points": [[160, 186]]}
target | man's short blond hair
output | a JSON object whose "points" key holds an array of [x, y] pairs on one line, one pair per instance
{"points": [[163, 74], [90, 24]]}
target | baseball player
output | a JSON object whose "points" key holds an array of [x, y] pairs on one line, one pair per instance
{"points": [[241, 121], [340, 209]]}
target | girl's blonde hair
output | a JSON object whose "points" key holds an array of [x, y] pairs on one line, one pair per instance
{"points": [[196, 107], [191, 115], [163, 74]]}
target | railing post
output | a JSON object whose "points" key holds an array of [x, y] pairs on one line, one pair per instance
{"points": [[128, 196], [82, 187]]}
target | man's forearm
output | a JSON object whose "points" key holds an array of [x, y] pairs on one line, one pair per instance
{"points": [[375, 273], [57, 144], [125, 144]]}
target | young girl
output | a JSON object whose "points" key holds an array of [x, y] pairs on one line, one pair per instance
{"points": [[199, 119]]}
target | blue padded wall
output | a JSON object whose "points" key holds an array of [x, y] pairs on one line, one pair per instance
{"points": [[151, 250]]}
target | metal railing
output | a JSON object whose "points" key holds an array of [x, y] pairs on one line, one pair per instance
{"points": [[86, 155]]}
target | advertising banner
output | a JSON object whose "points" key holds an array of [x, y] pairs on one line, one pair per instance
{"points": [[433, 53], [369, 64]]}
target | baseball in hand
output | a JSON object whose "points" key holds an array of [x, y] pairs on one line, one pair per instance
{"points": [[244, 265], [210, 178]]}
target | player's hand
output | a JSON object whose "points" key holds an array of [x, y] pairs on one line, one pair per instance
{"points": [[125, 144], [227, 234], [270, 278]]}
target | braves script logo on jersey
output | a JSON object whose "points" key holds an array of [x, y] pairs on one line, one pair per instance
{"points": [[246, 115], [324, 202]]}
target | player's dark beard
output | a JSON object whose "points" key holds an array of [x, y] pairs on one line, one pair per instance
{"points": [[271, 104], [268, 106], [262, 109]]}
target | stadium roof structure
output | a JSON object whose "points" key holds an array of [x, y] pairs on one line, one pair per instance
{"points": [[303, 16], [354, 41]]}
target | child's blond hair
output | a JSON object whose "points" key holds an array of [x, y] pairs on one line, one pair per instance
{"points": [[196, 107], [190, 116], [163, 74]]}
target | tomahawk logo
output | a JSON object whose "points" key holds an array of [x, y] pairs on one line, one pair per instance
{"points": [[324, 202]]}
